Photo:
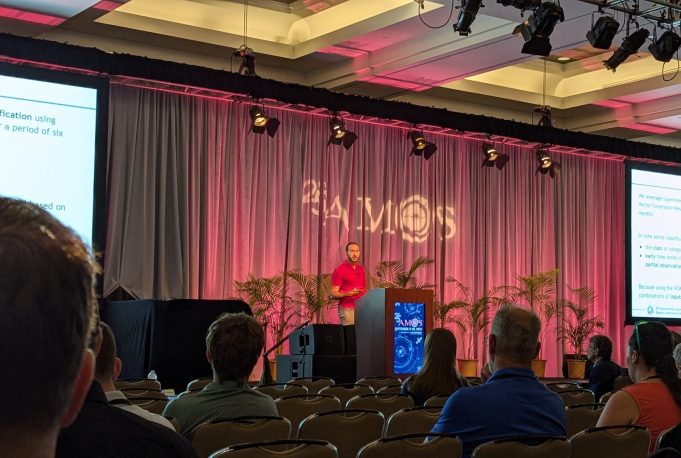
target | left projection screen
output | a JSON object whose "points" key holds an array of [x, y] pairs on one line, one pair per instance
{"points": [[51, 132]]}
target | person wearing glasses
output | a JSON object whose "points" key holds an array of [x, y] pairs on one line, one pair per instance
{"points": [[654, 400]]}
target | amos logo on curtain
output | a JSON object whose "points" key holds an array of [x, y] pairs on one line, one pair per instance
{"points": [[413, 216]]}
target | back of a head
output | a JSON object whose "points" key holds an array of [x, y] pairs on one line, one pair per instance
{"points": [[48, 308], [106, 357], [235, 342], [516, 330], [603, 344], [438, 375]]}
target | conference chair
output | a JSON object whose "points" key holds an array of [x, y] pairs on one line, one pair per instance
{"points": [[136, 393], [152, 405], [280, 449], [221, 433], [525, 447], [670, 438], [379, 382], [581, 396], [582, 416], [313, 384], [297, 408], [198, 384], [605, 397], [144, 383], [621, 441], [280, 390], [346, 391], [390, 389], [557, 387], [349, 430], [387, 404], [621, 381], [413, 446], [666, 453], [437, 401], [419, 419]]}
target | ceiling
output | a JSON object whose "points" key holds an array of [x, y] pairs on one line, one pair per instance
{"points": [[386, 49]]}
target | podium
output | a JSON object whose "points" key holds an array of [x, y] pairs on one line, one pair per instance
{"points": [[391, 326]]}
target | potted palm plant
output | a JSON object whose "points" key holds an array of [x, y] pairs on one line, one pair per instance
{"points": [[393, 274], [314, 294]]}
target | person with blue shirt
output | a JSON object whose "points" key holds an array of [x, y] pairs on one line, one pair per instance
{"points": [[512, 402]]}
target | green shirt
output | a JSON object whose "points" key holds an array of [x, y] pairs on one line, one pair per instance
{"points": [[218, 400]]}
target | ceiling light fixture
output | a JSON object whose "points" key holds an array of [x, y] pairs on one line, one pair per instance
{"points": [[630, 45], [664, 48], [538, 28], [261, 123], [420, 147], [546, 164], [339, 135], [469, 9], [522, 5], [492, 157], [602, 32]]}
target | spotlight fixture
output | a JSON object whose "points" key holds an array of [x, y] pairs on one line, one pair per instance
{"points": [[469, 9], [522, 5], [247, 66], [261, 123], [630, 45], [546, 164], [664, 48], [420, 147], [602, 32], [340, 136], [538, 28], [492, 157], [545, 118]]}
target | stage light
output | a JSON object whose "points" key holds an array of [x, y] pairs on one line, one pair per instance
{"points": [[261, 123], [545, 117], [630, 45], [602, 32], [538, 28], [247, 66], [420, 147], [546, 164], [492, 157], [339, 135], [664, 48], [469, 9], [522, 5]]}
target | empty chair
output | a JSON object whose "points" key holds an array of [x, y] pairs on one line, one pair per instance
{"points": [[217, 434], [280, 390], [349, 430], [621, 441], [345, 392], [379, 382], [525, 447], [152, 405], [198, 384], [281, 448], [313, 384], [297, 408], [582, 416], [387, 404], [581, 396], [137, 383], [671, 438], [437, 401], [420, 419], [143, 393], [620, 382], [413, 446], [390, 389], [562, 386]]}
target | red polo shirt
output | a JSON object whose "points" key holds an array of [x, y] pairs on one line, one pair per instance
{"points": [[348, 277]]}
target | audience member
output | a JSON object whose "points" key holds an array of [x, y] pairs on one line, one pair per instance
{"points": [[676, 338], [107, 369], [438, 376], [233, 345], [48, 312], [511, 402], [654, 399], [604, 371], [677, 358]]}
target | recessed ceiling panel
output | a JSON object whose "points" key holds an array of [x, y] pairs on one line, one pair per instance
{"points": [[61, 8]]}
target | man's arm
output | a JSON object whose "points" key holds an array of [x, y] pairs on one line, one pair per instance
{"points": [[336, 293]]}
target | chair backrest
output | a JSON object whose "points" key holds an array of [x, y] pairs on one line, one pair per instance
{"points": [[670, 438], [134, 393], [313, 384], [572, 397], [297, 408], [199, 383], [582, 416], [387, 404], [437, 401], [419, 419], [379, 382], [526, 447], [390, 389], [621, 381], [346, 391], [217, 434], [282, 448], [621, 441], [605, 397], [413, 446], [349, 430], [557, 387], [280, 390], [138, 383], [156, 406], [667, 452]]}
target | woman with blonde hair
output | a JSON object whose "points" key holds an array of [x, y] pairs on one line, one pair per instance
{"points": [[438, 376]]}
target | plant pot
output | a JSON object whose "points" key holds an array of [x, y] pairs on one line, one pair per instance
{"points": [[468, 367], [576, 368], [539, 367]]}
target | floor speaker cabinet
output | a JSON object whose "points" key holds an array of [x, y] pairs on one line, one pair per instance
{"points": [[350, 340], [341, 368], [317, 339]]}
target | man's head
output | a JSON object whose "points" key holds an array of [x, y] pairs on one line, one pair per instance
{"points": [[48, 312], [600, 347], [233, 345], [108, 366], [352, 251], [513, 339]]}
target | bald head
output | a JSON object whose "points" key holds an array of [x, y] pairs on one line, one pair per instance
{"points": [[516, 332]]}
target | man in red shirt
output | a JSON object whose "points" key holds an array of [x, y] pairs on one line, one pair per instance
{"points": [[348, 283]]}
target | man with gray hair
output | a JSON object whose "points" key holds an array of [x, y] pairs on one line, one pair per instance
{"points": [[512, 402]]}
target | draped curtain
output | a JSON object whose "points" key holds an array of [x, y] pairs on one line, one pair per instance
{"points": [[196, 202]]}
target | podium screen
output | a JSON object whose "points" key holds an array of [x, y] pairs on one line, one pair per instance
{"points": [[409, 333]]}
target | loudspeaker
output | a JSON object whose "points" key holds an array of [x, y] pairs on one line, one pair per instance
{"points": [[350, 340], [341, 368], [317, 339]]}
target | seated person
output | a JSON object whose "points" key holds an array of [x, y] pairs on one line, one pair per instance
{"points": [[604, 371], [107, 369], [654, 400], [233, 345], [677, 358], [438, 376], [512, 402]]}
